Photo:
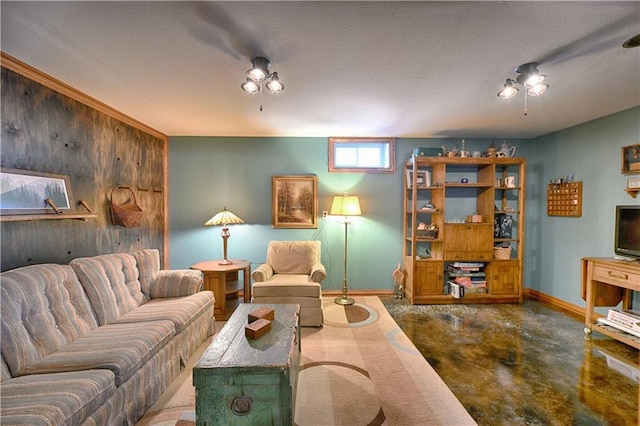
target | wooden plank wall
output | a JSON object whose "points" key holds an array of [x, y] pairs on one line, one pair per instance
{"points": [[48, 131]]}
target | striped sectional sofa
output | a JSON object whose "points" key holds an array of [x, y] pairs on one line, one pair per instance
{"points": [[97, 341]]}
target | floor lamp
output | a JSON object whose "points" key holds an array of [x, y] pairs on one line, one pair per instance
{"points": [[345, 205], [224, 218]]}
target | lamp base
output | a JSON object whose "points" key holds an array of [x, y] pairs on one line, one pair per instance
{"points": [[344, 300], [225, 262]]}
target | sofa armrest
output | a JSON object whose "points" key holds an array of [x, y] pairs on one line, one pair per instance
{"points": [[318, 273], [176, 283], [262, 273]]}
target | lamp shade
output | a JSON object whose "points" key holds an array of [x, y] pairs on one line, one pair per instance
{"points": [[345, 205], [223, 217]]}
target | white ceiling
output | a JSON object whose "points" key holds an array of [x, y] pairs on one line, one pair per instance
{"points": [[403, 69]]}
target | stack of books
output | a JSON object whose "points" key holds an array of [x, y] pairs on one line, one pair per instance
{"points": [[627, 321], [468, 275]]}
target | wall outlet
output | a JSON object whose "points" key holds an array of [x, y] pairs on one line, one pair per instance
{"points": [[324, 214]]}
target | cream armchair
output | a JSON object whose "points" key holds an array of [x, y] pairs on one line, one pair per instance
{"points": [[292, 273]]}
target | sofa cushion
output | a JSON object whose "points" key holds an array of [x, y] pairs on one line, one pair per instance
{"points": [[4, 370], [44, 308], [148, 263], [176, 283], [182, 311], [121, 348], [112, 282], [55, 399]]}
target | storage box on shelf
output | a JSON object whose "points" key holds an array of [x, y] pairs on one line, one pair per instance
{"points": [[478, 204]]}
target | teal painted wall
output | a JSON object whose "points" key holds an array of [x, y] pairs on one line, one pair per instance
{"points": [[209, 173], [555, 245]]}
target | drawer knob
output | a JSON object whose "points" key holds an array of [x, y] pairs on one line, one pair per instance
{"points": [[620, 276]]}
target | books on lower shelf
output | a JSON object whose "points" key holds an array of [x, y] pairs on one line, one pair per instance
{"points": [[627, 321], [468, 266], [468, 275]]}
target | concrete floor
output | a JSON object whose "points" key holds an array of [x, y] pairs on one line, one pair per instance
{"points": [[525, 364]]}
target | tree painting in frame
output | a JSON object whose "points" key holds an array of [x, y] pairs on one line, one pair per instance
{"points": [[294, 201], [26, 192]]}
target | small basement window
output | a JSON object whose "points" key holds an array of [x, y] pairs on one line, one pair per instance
{"points": [[365, 155]]}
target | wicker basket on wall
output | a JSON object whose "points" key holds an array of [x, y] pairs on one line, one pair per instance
{"points": [[127, 214]]}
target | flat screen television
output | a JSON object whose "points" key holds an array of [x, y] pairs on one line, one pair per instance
{"points": [[627, 232]]}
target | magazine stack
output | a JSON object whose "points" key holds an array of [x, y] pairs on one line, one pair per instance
{"points": [[627, 321]]}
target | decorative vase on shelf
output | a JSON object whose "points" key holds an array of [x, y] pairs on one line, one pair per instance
{"points": [[506, 150]]}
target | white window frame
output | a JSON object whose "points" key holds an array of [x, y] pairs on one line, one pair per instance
{"points": [[359, 150]]}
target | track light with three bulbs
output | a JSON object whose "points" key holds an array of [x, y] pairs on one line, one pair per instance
{"points": [[258, 73], [529, 77]]}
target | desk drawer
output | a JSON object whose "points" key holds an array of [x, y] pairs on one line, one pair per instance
{"points": [[617, 276]]}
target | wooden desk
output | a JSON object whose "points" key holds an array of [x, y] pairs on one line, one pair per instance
{"points": [[241, 381], [223, 280], [606, 282]]}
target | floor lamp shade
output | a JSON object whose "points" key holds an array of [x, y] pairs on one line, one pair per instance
{"points": [[224, 218], [345, 205]]}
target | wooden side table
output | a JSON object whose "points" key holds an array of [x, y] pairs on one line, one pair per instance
{"points": [[605, 282], [223, 280]]}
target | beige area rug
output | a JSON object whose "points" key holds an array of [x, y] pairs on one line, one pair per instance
{"points": [[359, 369]]}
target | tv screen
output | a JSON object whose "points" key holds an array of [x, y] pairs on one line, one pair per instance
{"points": [[627, 231]]}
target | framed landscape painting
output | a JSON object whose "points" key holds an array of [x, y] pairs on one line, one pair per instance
{"points": [[294, 201], [27, 192]]}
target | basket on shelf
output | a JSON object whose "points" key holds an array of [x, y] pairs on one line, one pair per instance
{"points": [[430, 231], [127, 214], [502, 253]]}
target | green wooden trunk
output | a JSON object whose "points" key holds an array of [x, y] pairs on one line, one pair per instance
{"points": [[241, 381]]}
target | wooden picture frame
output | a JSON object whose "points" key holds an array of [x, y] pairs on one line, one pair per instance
{"points": [[630, 159], [423, 178], [25, 192], [294, 201]]}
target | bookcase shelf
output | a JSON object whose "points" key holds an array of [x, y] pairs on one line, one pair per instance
{"points": [[462, 187]]}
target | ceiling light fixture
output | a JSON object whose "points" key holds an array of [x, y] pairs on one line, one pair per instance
{"points": [[258, 73], [530, 78]]}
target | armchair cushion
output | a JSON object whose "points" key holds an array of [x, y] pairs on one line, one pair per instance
{"points": [[293, 257]]}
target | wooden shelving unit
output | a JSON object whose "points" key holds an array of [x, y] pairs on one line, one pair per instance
{"points": [[483, 194], [52, 216]]}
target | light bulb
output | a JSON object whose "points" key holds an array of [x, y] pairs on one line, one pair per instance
{"points": [[256, 74], [534, 80], [538, 89], [250, 86], [508, 91], [274, 85]]}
